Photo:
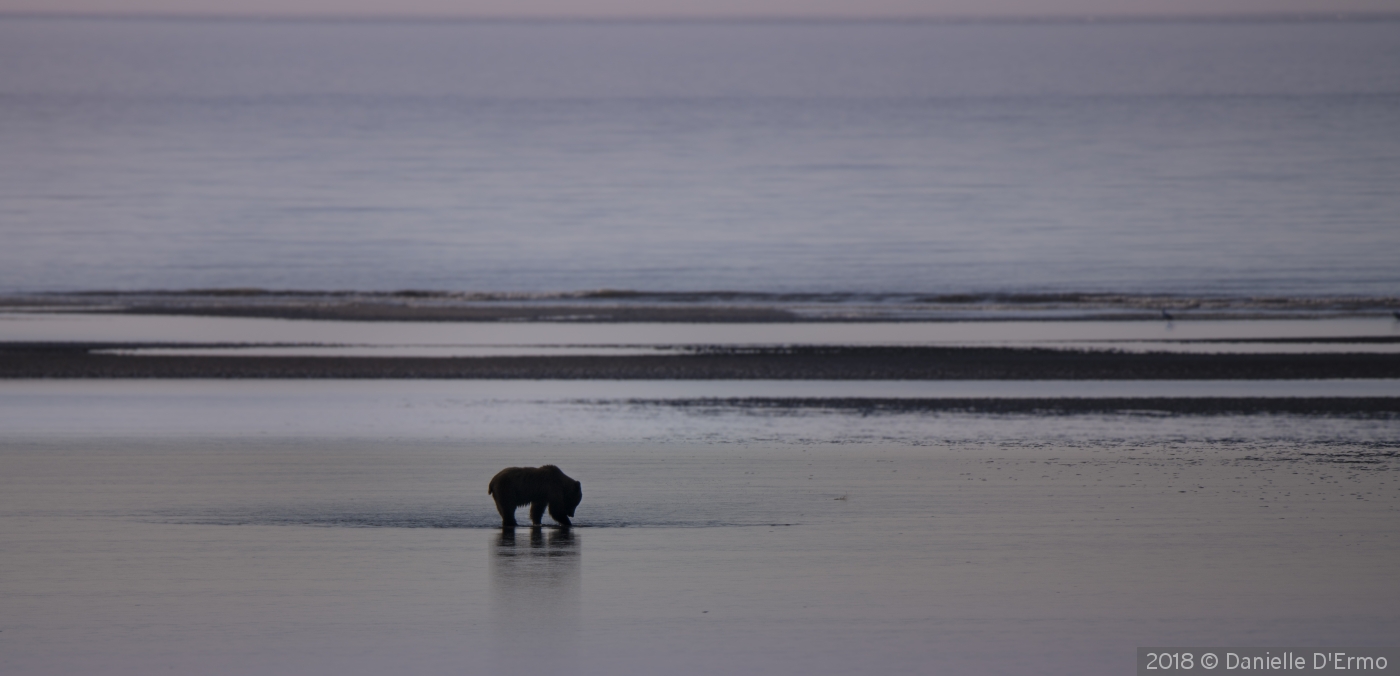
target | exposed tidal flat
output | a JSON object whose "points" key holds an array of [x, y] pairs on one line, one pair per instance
{"points": [[1010, 496], [107, 343], [1054, 553], [215, 527], [785, 363]]}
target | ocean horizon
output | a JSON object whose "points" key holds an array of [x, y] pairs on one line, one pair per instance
{"points": [[1190, 158]]}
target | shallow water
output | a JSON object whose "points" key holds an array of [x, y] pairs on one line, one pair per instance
{"points": [[1043, 554], [599, 411], [385, 338], [343, 527]]}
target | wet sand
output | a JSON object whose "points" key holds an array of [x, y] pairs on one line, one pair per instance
{"points": [[79, 360], [611, 305], [379, 312], [234, 555]]}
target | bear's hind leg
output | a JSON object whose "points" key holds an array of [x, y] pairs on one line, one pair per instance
{"points": [[537, 512]]}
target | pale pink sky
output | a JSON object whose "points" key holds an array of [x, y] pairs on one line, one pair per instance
{"points": [[699, 9]]}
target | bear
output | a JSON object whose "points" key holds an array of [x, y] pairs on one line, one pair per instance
{"points": [[540, 487]]}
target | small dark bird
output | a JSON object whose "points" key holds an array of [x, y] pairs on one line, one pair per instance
{"points": [[1167, 315], [1396, 313]]}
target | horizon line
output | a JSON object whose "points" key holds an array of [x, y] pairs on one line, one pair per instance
{"points": [[1078, 19]]}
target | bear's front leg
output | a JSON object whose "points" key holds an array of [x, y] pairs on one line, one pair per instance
{"points": [[560, 516], [537, 512]]}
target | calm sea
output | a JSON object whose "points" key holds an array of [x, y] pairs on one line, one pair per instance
{"points": [[1189, 158]]}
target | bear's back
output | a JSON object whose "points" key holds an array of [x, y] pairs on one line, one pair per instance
{"points": [[525, 480]]}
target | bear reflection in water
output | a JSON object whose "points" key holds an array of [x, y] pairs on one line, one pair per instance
{"points": [[561, 542], [542, 560], [536, 587]]}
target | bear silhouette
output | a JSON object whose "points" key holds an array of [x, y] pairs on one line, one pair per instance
{"points": [[541, 488]]}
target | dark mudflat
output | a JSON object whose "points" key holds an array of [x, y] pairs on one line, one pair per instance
{"points": [[39, 360]]}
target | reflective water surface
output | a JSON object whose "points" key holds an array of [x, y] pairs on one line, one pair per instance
{"points": [[226, 330], [1016, 548], [537, 597], [568, 411], [919, 157]]}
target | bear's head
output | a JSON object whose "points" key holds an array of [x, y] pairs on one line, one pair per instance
{"points": [[573, 494]]}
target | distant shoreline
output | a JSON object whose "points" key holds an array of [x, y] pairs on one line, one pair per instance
{"points": [[1062, 17], [74, 360], [699, 306]]}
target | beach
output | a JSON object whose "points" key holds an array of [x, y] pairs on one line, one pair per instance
{"points": [[809, 498], [193, 336], [237, 555], [342, 526], [217, 494]]}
